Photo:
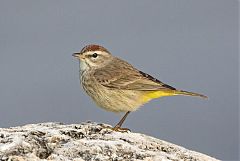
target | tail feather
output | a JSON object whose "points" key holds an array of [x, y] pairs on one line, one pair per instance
{"points": [[186, 93]]}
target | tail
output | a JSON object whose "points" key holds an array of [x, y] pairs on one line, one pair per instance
{"points": [[186, 93]]}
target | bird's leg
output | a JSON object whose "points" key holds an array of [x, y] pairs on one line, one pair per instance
{"points": [[119, 124]]}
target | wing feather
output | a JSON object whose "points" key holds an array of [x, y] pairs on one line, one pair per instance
{"points": [[119, 74]]}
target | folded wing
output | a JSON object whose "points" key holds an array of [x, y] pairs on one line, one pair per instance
{"points": [[121, 75]]}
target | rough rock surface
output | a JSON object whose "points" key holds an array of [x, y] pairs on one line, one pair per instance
{"points": [[86, 141]]}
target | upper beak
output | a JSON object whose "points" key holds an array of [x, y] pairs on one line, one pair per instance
{"points": [[76, 55]]}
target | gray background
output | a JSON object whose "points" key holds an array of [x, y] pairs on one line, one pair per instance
{"points": [[191, 45]]}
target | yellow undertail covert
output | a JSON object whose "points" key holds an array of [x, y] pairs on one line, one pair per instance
{"points": [[157, 94]]}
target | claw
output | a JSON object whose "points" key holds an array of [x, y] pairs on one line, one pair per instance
{"points": [[120, 129], [117, 129], [118, 126]]}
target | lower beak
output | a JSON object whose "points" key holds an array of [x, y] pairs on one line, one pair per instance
{"points": [[77, 55]]}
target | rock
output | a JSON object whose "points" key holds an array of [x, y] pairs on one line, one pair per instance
{"points": [[86, 141]]}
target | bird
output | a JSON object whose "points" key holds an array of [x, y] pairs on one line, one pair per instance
{"points": [[117, 86]]}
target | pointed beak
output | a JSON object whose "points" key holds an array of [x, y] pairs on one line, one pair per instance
{"points": [[78, 55]]}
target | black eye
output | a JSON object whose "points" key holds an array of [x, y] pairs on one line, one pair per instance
{"points": [[94, 55]]}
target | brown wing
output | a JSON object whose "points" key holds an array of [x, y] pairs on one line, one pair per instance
{"points": [[121, 75]]}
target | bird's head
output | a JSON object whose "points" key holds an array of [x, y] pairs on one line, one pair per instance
{"points": [[93, 56]]}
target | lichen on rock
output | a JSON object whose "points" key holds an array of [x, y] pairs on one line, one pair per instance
{"points": [[87, 141]]}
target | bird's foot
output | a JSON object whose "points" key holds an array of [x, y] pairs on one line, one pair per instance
{"points": [[117, 128], [120, 129]]}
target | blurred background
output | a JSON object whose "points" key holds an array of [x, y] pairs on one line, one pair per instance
{"points": [[190, 45]]}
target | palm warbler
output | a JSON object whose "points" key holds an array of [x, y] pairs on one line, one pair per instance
{"points": [[115, 85]]}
